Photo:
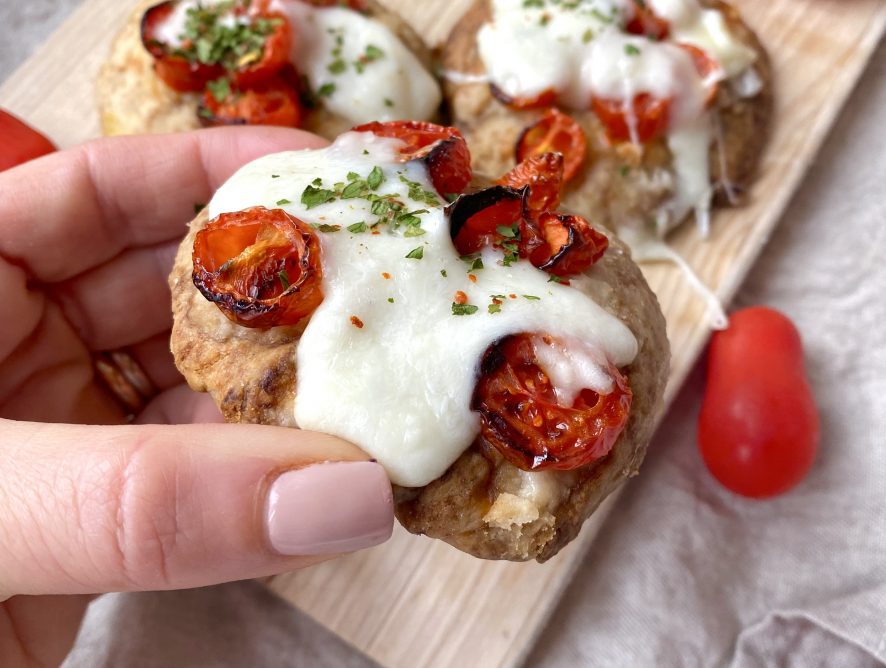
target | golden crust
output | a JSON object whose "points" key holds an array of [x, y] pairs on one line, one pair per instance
{"points": [[133, 100], [618, 184], [480, 505]]}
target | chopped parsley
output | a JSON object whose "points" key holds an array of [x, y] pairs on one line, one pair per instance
{"points": [[587, 36], [389, 102], [358, 228], [275, 176], [375, 178], [632, 50], [531, 297], [314, 196], [419, 194], [443, 273], [282, 202], [557, 279], [463, 309], [220, 89], [326, 89], [494, 308], [416, 253], [624, 170], [284, 279], [390, 300], [323, 227]]}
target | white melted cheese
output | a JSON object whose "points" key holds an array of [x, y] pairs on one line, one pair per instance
{"points": [[706, 29], [400, 387], [393, 86], [580, 50]]}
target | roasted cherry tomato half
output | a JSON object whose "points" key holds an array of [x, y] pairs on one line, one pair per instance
{"points": [[571, 244], [650, 117], [443, 149], [645, 22], [522, 418], [19, 142], [555, 132], [177, 71], [475, 219], [259, 66], [272, 102], [544, 99], [708, 69], [759, 427], [544, 176], [260, 266], [356, 5]]}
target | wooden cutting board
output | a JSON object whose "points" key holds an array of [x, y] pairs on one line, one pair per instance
{"points": [[418, 602]]}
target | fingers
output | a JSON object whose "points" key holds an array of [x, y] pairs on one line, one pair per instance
{"points": [[181, 405], [123, 301], [91, 509], [75, 209], [155, 359]]}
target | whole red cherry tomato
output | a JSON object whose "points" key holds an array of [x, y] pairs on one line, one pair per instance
{"points": [[758, 430], [19, 142]]}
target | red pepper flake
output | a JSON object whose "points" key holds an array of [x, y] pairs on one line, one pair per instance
{"points": [[356, 322], [375, 230], [495, 300], [460, 297], [512, 296], [385, 274], [472, 278]]}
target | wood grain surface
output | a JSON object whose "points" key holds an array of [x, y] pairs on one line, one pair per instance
{"points": [[418, 602]]}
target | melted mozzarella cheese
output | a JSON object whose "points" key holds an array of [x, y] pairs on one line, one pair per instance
{"points": [[572, 365], [327, 42], [706, 29], [400, 386]]}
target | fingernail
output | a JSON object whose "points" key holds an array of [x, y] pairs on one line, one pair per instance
{"points": [[330, 508]]}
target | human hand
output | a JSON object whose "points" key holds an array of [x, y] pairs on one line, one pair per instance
{"points": [[87, 238]]}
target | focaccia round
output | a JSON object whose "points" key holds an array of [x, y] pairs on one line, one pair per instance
{"points": [[132, 99], [482, 505], [617, 182]]}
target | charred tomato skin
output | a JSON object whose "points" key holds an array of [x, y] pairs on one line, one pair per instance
{"points": [[442, 148], [544, 99], [521, 417], [261, 267]]}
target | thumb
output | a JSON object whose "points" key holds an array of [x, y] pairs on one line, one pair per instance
{"points": [[96, 509]]}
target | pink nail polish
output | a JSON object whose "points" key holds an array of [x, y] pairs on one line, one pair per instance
{"points": [[330, 508]]}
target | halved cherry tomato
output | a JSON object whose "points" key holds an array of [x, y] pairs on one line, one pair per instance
{"points": [[544, 99], [544, 176], [272, 102], [260, 266], [707, 68], [19, 142], [356, 5], [274, 56], [645, 22], [177, 71], [650, 115], [758, 430], [522, 418], [571, 244], [555, 132], [474, 219], [442, 148]]}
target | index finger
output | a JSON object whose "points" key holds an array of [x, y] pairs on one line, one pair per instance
{"points": [[70, 211]]}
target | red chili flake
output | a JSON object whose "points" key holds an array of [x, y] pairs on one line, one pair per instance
{"points": [[385, 274], [512, 296], [460, 297], [495, 300], [472, 278], [356, 322]]}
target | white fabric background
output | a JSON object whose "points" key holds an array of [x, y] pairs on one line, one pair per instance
{"points": [[683, 573]]}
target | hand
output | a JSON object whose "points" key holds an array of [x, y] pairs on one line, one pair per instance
{"points": [[87, 238]]}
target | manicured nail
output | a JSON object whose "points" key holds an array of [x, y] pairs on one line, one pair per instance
{"points": [[330, 508]]}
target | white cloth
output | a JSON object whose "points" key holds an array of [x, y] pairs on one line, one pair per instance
{"points": [[683, 573]]}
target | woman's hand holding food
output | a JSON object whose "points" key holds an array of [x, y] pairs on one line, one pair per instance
{"points": [[88, 237]]}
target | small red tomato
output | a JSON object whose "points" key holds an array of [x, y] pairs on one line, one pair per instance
{"points": [[707, 69], [648, 115], [441, 148], [522, 417], [260, 266], [555, 132], [544, 99], [19, 142], [759, 429], [273, 57], [544, 176], [475, 219], [645, 22], [272, 102], [571, 244]]}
